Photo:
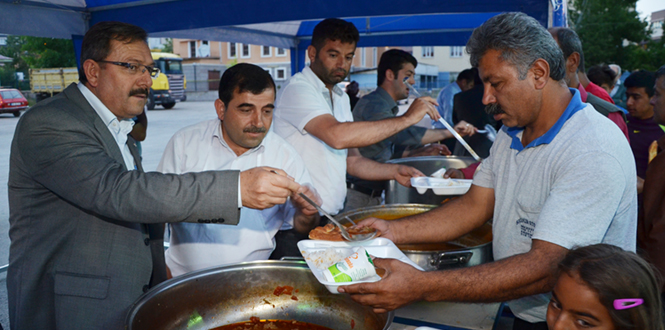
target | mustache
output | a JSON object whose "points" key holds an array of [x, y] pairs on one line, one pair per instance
{"points": [[139, 91], [254, 129], [493, 109]]}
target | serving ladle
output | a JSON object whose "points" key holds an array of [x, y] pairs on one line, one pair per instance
{"points": [[342, 229], [442, 121]]}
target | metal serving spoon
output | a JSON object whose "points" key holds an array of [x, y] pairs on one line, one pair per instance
{"points": [[342, 229], [450, 128]]}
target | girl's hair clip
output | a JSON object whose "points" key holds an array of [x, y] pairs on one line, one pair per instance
{"points": [[620, 304]]}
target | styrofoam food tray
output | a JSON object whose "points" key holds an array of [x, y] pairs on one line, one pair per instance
{"points": [[441, 186], [378, 247]]}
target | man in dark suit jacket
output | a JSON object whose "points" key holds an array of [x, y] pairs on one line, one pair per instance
{"points": [[85, 220], [468, 106]]}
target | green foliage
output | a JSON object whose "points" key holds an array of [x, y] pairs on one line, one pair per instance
{"points": [[648, 56], [8, 72], [13, 49], [610, 30], [33, 52], [168, 47], [49, 52]]}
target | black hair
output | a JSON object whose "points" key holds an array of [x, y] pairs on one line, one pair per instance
{"points": [[352, 88], [334, 29], [393, 60], [642, 78], [660, 72], [615, 274], [96, 44], [468, 75], [570, 43], [244, 77], [521, 41], [601, 74]]}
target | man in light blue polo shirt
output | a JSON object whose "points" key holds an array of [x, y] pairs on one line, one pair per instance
{"points": [[559, 175]]}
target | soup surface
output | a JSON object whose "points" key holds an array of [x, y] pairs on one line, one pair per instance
{"points": [[255, 324]]}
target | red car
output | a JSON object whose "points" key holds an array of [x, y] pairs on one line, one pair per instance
{"points": [[11, 100]]}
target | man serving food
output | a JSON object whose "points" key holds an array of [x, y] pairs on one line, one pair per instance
{"points": [[559, 175]]}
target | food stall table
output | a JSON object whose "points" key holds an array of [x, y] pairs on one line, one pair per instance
{"points": [[446, 315]]}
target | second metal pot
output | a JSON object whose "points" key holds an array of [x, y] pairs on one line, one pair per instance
{"points": [[472, 249], [398, 194]]}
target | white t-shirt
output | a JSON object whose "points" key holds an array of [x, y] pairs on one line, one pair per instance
{"points": [[201, 147], [573, 186], [303, 98]]}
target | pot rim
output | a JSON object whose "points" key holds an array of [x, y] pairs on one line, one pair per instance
{"points": [[133, 309]]}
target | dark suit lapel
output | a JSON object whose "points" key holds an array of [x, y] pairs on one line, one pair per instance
{"points": [[74, 94]]}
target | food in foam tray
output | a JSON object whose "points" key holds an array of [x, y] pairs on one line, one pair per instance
{"points": [[331, 232]]}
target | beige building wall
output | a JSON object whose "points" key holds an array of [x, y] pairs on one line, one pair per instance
{"points": [[223, 52], [447, 59], [275, 60]]}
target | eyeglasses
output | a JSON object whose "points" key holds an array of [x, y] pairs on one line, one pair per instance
{"points": [[133, 68]]}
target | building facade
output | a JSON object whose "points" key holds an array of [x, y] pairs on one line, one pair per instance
{"points": [[448, 61], [205, 60]]}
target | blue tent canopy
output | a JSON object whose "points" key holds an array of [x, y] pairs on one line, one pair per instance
{"points": [[286, 23]]}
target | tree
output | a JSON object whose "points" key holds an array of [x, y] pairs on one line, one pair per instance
{"points": [[647, 56], [49, 52], [609, 30], [13, 50], [168, 46], [34, 52]]}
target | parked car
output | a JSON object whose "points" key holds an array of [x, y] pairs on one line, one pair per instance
{"points": [[11, 100]]}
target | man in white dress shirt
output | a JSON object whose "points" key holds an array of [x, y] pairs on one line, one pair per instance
{"points": [[314, 115], [240, 138]]}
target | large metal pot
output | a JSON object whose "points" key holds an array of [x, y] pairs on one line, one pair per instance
{"points": [[219, 296], [472, 249], [398, 194]]}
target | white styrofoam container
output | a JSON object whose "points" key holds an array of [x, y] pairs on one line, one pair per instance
{"points": [[378, 247], [441, 186]]}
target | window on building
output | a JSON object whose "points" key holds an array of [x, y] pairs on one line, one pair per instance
{"points": [[456, 51], [233, 50], [192, 49], [280, 73], [204, 49], [266, 51], [428, 52], [281, 52], [244, 53], [269, 70]]}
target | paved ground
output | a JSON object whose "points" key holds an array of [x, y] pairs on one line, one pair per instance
{"points": [[161, 126]]}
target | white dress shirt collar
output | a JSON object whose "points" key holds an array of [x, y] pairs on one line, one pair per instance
{"points": [[316, 81], [118, 128]]}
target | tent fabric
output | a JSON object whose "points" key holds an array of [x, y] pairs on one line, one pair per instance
{"points": [[285, 24], [258, 19]]}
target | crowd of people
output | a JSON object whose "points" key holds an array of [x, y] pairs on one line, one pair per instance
{"points": [[559, 180]]}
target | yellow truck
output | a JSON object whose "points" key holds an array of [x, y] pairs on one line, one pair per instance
{"points": [[170, 85], [167, 88], [45, 83]]}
